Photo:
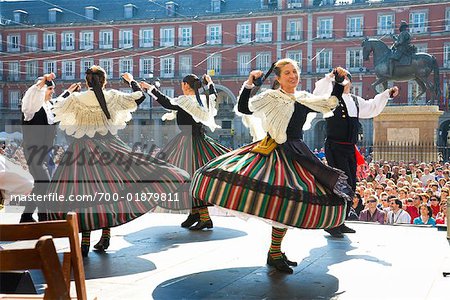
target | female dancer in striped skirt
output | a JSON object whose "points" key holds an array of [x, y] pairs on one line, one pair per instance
{"points": [[278, 179], [191, 148], [110, 184]]}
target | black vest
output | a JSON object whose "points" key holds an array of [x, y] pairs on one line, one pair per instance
{"points": [[341, 127], [37, 131]]}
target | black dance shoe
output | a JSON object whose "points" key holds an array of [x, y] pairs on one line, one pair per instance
{"points": [[345, 229], [27, 218], [202, 224], [279, 264], [84, 250], [103, 244], [42, 217], [335, 232], [191, 220], [289, 262]]}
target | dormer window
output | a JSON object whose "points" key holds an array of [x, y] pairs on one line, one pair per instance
{"points": [[216, 5], [91, 12], [171, 8], [54, 14], [20, 16], [129, 10]]}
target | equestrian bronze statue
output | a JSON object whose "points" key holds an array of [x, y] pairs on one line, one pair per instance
{"points": [[402, 63]]}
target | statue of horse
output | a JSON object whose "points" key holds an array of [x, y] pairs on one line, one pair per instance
{"points": [[421, 66]]}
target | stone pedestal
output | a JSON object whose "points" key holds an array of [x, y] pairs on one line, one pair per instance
{"points": [[406, 133]]}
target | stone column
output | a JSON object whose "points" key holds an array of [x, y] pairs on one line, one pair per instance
{"points": [[406, 133]]}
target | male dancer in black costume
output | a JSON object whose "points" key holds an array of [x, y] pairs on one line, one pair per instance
{"points": [[343, 127]]}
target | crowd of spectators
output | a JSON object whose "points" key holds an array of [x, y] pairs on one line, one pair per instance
{"points": [[402, 193]]}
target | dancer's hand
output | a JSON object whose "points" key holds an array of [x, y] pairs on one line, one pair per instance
{"points": [[146, 86], [74, 87], [207, 78], [255, 74], [393, 92], [127, 77]]}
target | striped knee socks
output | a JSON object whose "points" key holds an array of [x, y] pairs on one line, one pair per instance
{"points": [[275, 246], [204, 214]]}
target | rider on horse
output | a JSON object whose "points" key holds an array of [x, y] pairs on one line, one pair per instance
{"points": [[402, 50]]}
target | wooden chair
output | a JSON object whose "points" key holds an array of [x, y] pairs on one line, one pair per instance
{"points": [[72, 261], [43, 256]]}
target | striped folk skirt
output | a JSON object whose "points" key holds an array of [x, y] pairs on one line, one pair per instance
{"points": [[289, 186], [108, 185], [190, 152]]}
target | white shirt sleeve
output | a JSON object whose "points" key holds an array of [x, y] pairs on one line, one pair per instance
{"points": [[13, 179], [371, 108], [32, 101], [324, 86]]}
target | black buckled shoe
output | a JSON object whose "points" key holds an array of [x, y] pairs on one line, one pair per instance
{"points": [[289, 262], [202, 224], [335, 232], [191, 220], [279, 264], [103, 244], [345, 229]]}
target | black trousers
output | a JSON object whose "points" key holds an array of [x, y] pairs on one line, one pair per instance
{"points": [[35, 161], [342, 156]]}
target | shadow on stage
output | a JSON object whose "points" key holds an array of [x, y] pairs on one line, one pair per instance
{"points": [[309, 281], [127, 260]]}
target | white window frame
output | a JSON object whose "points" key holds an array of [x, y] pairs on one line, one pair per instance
{"points": [[109, 35], [446, 56], [264, 32], [84, 65], [422, 47], [354, 59], [126, 38], [68, 69], [263, 60], [244, 32], [447, 19], [184, 65], [324, 60], [31, 70], [418, 26], [167, 67], [107, 64], [13, 42], [167, 36], [244, 65], [86, 40], [296, 55], [14, 99], [168, 91], [294, 29], [357, 89], [355, 25], [49, 66], [64, 36], [294, 3], [216, 6], [214, 34], [32, 42], [325, 27], [1, 72], [126, 65], [13, 71], [146, 37], [146, 67], [50, 37], [413, 89], [185, 36], [385, 26], [214, 62]]}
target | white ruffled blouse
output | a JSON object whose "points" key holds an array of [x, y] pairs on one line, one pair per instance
{"points": [[80, 114]]}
